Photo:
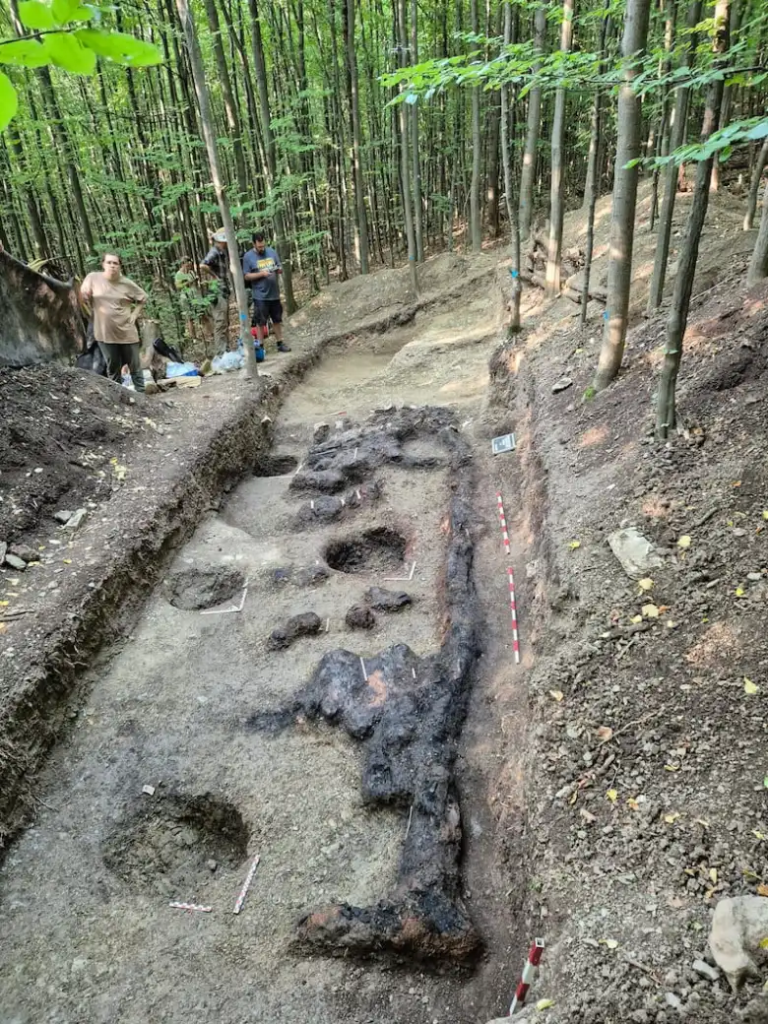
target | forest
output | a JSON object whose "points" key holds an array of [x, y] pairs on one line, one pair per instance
{"points": [[364, 133]]}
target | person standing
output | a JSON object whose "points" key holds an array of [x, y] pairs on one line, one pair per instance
{"points": [[261, 267], [216, 268], [186, 289], [116, 303]]}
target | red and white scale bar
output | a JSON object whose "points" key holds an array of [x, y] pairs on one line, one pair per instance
{"points": [[511, 579], [529, 973]]}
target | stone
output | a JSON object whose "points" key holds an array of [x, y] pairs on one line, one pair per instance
{"points": [[705, 970], [311, 576], [739, 924], [562, 385], [211, 864], [24, 551], [635, 552], [387, 600], [148, 790], [754, 577], [673, 1001], [321, 432], [360, 617], [63, 516], [15, 562], [3, 549], [306, 624], [76, 519], [192, 589]]}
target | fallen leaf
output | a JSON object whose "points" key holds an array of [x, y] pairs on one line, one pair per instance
{"points": [[736, 483], [574, 797], [765, 513], [3, 604], [67, 561], [762, 890], [760, 835], [613, 795], [574, 544], [610, 943], [645, 584], [765, 782], [650, 611], [544, 1004], [604, 733], [671, 818], [701, 821], [556, 695], [713, 875], [749, 686], [739, 592], [636, 618], [764, 943], [684, 542], [671, 767], [633, 804], [670, 624], [750, 875]]}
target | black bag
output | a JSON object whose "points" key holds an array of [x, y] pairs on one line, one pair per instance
{"points": [[92, 359], [167, 351]]}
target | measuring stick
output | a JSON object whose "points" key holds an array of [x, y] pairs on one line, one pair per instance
{"points": [[503, 520], [190, 906], [529, 972], [513, 609], [246, 885]]}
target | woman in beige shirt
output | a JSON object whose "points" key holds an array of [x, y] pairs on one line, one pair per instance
{"points": [[116, 302]]}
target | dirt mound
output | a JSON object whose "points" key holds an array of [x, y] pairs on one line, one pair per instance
{"points": [[63, 434]]}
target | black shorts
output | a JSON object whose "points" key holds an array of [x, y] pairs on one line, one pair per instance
{"points": [[265, 310]]}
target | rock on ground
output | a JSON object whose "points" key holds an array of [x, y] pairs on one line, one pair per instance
{"points": [[739, 925], [306, 624], [196, 588], [634, 551], [384, 600]]}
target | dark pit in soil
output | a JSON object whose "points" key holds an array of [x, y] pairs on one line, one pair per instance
{"points": [[275, 465], [375, 551], [169, 845]]}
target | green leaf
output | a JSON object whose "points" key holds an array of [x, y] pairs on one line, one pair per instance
{"points": [[120, 47], [36, 15], [9, 101], [66, 52], [63, 10], [759, 131], [24, 53]]}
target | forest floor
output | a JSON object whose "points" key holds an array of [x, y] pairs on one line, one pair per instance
{"points": [[653, 713]]}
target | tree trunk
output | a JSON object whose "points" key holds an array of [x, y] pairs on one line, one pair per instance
{"points": [[679, 116], [201, 88], [506, 157], [624, 197], [357, 166], [528, 175], [233, 118], [666, 418], [593, 174], [754, 186], [758, 267], [418, 227], [405, 163], [270, 149], [737, 11], [557, 190], [475, 220]]}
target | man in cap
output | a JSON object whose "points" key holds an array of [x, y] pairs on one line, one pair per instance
{"points": [[261, 267], [215, 267]]}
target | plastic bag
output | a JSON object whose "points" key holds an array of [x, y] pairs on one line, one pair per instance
{"points": [[180, 370], [228, 361]]}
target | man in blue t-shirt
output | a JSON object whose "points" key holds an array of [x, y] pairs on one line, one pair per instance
{"points": [[261, 266]]}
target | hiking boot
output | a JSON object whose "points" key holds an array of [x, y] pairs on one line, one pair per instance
{"points": [[282, 347]]}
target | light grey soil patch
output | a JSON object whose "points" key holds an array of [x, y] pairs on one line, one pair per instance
{"points": [[96, 942], [203, 586]]}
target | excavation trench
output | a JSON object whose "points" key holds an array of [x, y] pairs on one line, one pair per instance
{"points": [[251, 712]]}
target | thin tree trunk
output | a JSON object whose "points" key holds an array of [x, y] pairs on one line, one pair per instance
{"points": [[201, 88], [269, 146], [405, 164], [506, 158], [418, 227], [754, 186], [737, 12], [230, 109], [593, 175], [679, 116], [557, 191], [666, 417], [475, 221], [528, 175], [624, 197], [758, 267], [357, 167]]}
